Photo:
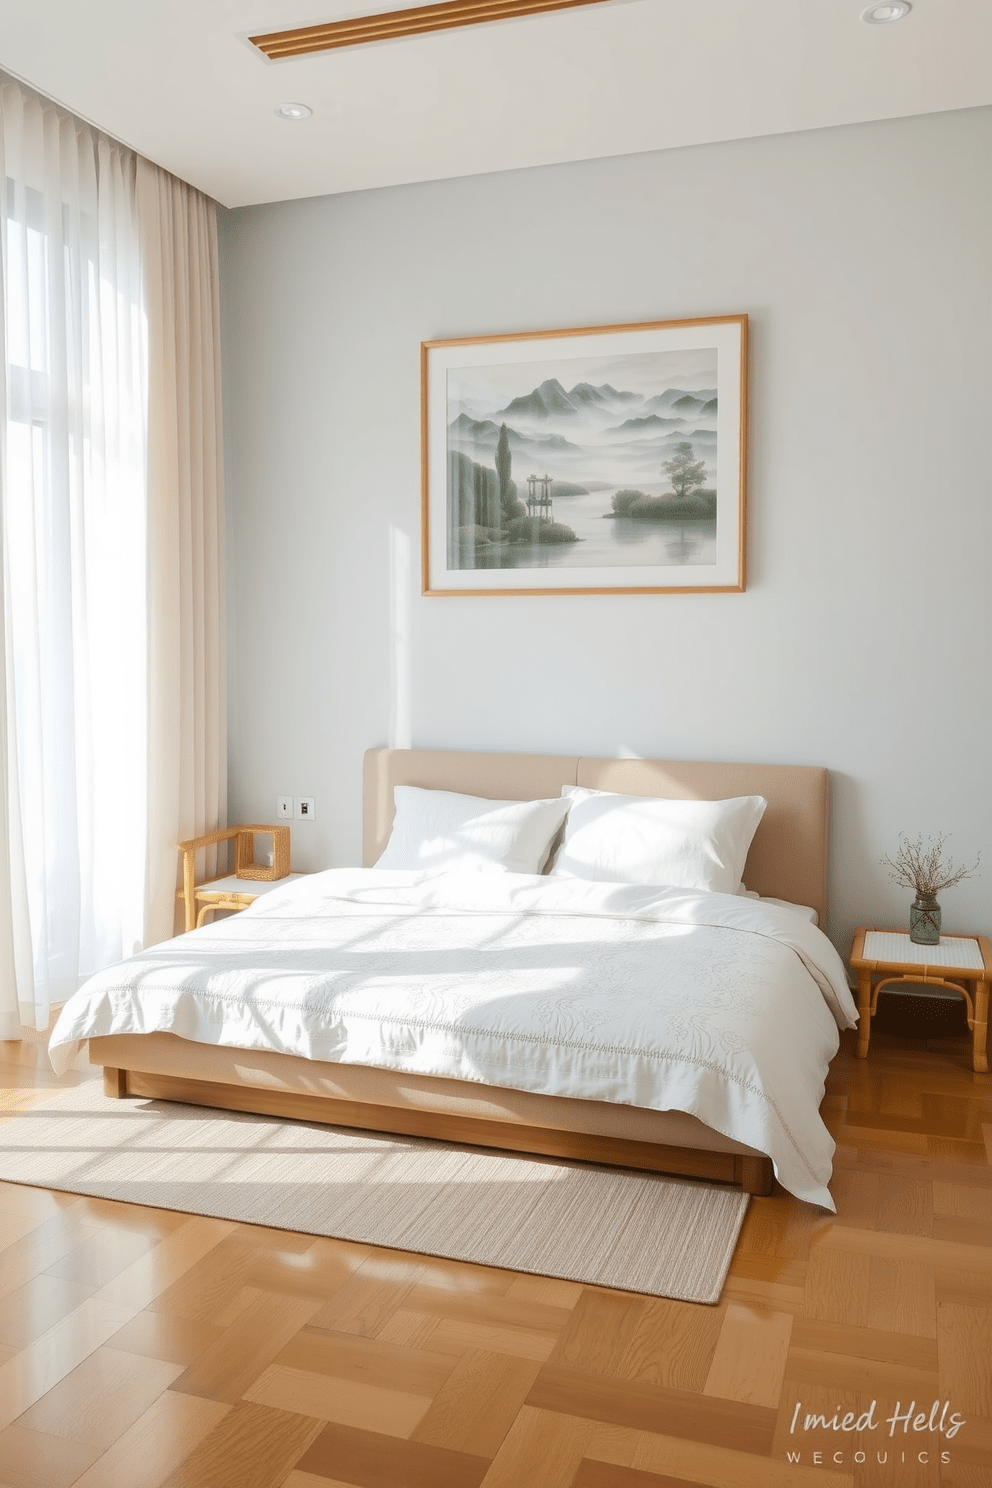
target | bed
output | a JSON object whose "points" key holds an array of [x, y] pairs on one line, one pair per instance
{"points": [[707, 1131]]}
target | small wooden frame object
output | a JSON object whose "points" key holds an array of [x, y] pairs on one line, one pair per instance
{"points": [[200, 899], [970, 982]]}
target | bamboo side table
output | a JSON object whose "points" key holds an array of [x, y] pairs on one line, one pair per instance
{"points": [[242, 887], [963, 963]]}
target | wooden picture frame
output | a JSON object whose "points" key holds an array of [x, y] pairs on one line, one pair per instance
{"points": [[584, 461]]}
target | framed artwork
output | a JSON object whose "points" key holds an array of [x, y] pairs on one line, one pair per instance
{"points": [[605, 460]]}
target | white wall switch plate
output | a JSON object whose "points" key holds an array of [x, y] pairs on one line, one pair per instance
{"points": [[284, 808], [306, 808]]}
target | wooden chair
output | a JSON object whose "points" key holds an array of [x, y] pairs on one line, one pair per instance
{"points": [[226, 892]]}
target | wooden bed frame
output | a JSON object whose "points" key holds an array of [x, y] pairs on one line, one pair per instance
{"points": [[788, 860]]}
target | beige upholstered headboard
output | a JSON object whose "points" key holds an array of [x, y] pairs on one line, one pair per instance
{"points": [[788, 857]]}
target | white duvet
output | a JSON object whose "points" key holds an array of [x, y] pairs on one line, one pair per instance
{"points": [[721, 1006]]}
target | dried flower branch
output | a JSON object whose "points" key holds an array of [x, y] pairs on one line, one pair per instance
{"points": [[920, 865]]}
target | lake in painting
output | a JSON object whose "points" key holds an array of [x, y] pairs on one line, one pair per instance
{"points": [[596, 462]]}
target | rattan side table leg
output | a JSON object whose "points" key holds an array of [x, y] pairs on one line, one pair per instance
{"points": [[980, 1061], [864, 1013]]}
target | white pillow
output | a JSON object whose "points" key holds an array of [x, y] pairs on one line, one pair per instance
{"points": [[441, 829], [647, 840]]}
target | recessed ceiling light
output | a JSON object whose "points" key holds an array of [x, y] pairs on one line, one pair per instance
{"points": [[881, 15], [292, 111]]}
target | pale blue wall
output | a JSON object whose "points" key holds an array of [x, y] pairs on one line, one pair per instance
{"points": [[863, 256]]}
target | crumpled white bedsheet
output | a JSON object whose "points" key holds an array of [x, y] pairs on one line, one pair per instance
{"points": [[721, 1006]]}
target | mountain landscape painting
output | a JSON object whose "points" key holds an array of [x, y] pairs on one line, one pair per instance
{"points": [[608, 461]]}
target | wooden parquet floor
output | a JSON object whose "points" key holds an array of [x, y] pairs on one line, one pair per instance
{"points": [[141, 1348]]}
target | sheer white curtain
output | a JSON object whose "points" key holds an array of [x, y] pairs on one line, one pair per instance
{"points": [[94, 470], [187, 791]]}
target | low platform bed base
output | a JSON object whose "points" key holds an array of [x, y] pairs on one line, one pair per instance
{"points": [[753, 1174]]}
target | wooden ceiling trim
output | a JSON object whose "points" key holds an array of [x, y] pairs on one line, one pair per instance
{"points": [[358, 30]]}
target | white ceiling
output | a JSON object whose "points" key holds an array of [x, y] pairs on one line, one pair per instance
{"points": [[177, 80]]}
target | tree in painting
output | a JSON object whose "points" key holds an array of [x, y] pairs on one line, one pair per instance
{"points": [[624, 502], [683, 471], [503, 466]]}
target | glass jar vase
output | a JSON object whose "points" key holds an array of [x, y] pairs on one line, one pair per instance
{"points": [[924, 920]]}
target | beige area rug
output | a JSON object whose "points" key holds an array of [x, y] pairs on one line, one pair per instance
{"points": [[666, 1236]]}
